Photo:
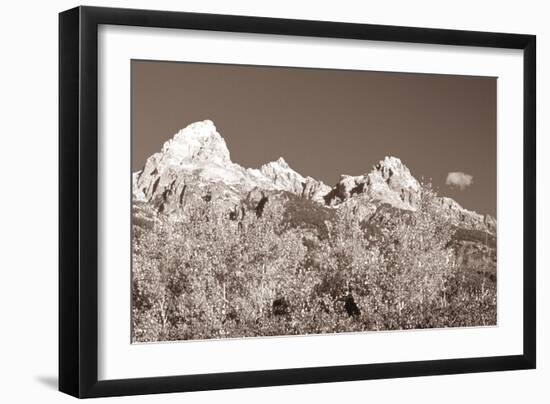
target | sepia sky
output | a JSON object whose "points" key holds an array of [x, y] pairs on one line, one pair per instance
{"points": [[328, 122]]}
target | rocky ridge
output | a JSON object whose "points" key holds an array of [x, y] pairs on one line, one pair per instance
{"points": [[196, 163]]}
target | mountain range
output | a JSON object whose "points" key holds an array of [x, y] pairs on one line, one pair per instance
{"points": [[196, 163]]}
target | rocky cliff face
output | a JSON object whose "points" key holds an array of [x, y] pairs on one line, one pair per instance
{"points": [[465, 218], [196, 165], [282, 176], [390, 181]]}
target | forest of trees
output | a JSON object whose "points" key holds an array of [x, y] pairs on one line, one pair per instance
{"points": [[210, 276]]}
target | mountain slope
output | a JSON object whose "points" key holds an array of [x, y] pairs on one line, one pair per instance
{"points": [[220, 250], [197, 157], [196, 165]]}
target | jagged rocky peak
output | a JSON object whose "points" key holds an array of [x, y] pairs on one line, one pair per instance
{"points": [[282, 175], [285, 178], [195, 164], [199, 141], [390, 181], [396, 174], [280, 162], [398, 178], [277, 167], [197, 150], [391, 163], [196, 157]]}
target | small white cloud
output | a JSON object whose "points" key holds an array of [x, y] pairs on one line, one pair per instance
{"points": [[459, 179]]}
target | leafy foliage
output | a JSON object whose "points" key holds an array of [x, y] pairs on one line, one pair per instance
{"points": [[209, 276]]}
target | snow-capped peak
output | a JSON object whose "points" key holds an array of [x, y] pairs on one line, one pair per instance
{"points": [[199, 151], [199, 141], [197, 159]]}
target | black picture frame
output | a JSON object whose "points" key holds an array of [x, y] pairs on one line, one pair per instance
{"points": [[78, 201]]}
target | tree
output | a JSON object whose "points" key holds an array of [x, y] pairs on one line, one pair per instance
{"points": [[417, 262]]}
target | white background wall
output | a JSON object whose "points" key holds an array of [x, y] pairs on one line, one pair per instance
{"points": [[28, 201]]}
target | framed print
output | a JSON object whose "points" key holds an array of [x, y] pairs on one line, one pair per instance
{"points": [[251, 201]]}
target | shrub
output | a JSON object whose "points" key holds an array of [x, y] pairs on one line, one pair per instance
{"points": [[208, 276]]}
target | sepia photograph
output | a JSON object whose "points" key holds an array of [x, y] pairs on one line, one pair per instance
{"points": [[285, 201]]}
